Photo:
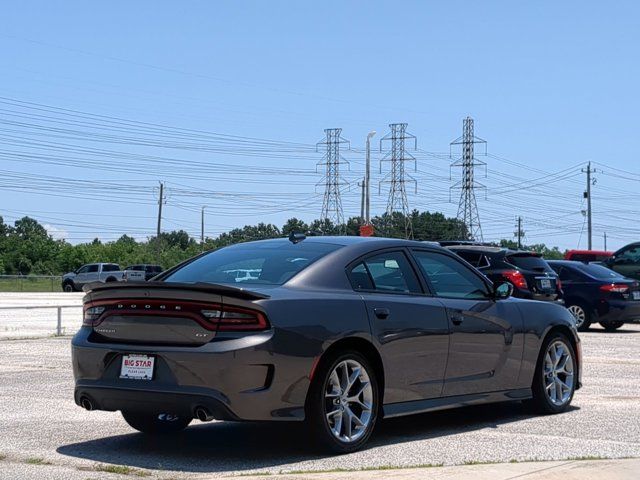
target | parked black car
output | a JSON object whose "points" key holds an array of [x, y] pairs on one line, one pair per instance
{"points": [[594, 293], [529, 273], [334, 331], [626, 261], [149, 270]]}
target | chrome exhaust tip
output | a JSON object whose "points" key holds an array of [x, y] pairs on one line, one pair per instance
{"points": [[203, 414], [86, 403]]}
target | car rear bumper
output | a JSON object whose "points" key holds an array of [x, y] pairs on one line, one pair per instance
{"points": [[239, 379], [619, 311]]}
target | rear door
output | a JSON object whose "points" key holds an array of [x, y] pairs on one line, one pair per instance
{"points": [[486, 345], [411, 328]]}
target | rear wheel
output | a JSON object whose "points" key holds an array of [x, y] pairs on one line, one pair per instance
{"points": [[342, 407], [554, 381], [159, 423], [611, 326], [582, 316]]}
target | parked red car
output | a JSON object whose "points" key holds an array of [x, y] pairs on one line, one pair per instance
{"points": [[586, 256]]}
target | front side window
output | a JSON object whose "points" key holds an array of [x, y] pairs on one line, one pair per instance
{"points": [[629, 257], [92, 268], [386, 272], [450, 278], [268, 263]]}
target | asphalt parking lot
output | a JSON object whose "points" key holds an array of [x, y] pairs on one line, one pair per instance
{"points": [[42, 430]]}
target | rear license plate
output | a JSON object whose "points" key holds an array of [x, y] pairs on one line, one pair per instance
{"points": [[137, 367], [635, 295], [545, 284]]}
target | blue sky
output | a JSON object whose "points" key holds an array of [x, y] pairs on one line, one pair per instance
{"points": [[551, 85]]}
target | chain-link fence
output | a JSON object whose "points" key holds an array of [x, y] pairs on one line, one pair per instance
{"points": [[30, 283]]}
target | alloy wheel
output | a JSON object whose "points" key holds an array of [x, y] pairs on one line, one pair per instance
{"points": [[349, 401], [578, 313], [558, 373]]}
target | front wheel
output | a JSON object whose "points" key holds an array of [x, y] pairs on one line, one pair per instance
{"points": [[554, 381], [343, 402], [159, 423], [611, 326], [68, 287]]}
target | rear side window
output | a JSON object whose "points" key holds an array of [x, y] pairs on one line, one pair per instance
{"points": [[477, 259], [268, 263], [110, 268], [529, 262], [386, 272], [450, 278]]}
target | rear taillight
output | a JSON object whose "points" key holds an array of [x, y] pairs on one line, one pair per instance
{"points": [[236, 318], [92, 315], [615, 288], [515, 277]]}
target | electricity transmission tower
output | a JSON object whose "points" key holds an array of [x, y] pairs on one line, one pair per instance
{"points": [[332, 203], [468, 208], [397, 178]]}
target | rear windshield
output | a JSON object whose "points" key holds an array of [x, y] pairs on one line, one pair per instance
{"points": [[269, 263], [598, 271], [529, 262]]}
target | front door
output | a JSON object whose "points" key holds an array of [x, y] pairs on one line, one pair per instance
{"points": [[411, 328], [486, 343]]}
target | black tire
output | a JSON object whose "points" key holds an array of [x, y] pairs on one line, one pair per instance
{"points": [[317, 404], [576, 308], [541, 401], [611, 326], [68, 287], [110, 279], [162, 423]]}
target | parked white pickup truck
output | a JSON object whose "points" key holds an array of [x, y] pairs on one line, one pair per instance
{"points": [[98, 272]]}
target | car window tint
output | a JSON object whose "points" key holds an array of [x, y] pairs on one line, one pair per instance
{"points": [[599, 272], [529, 262], [92, 268], [83, 269], [110, 268], [449, 277], [567, 274], [389, 272]]}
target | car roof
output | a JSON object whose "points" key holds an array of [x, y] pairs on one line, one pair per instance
{"points": [[489, 249], [346, 240]]}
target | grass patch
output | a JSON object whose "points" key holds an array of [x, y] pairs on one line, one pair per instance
{"points": [[36, 461], [121, 470]]}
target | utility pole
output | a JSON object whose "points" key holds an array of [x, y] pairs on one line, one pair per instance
{"points": [[519, 233], [160, 202], [202, 229], [468, 208], [605, 241], [363, 184], [367, 179], [332, 203], [587, 195], [397, 178]]}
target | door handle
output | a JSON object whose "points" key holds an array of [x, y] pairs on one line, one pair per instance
{"points": [[382, 313], [457, 319]]}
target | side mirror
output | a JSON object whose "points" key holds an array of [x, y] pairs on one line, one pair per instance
{"points": [[502, 290]]}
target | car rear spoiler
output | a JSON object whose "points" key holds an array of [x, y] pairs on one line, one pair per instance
{"points": [[196, 287]]}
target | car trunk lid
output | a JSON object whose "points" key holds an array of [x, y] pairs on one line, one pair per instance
{"points": [[170, 313]]}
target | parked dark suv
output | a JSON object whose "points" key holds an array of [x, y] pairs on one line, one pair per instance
{"points": [[593, 293], [626, 261], [529, 273]]}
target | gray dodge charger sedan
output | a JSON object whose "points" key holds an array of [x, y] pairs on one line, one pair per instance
{"points": [[334, 331]]}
